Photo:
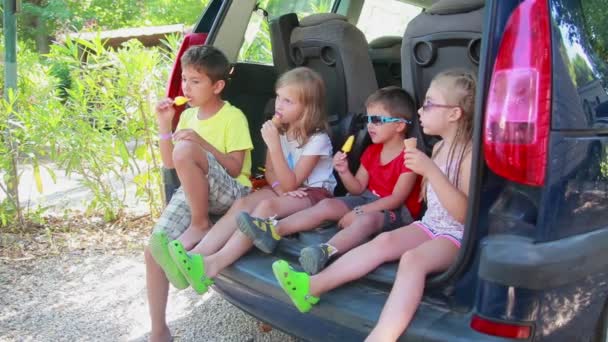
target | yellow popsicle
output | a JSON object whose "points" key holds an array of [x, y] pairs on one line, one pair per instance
{"points": [[181, 100], [348, 145]]}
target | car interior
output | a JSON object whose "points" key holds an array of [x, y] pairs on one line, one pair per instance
{"points": [[445, 34]]}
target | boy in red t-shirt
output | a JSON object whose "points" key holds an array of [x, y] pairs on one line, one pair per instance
{"points": [[377, 192]]}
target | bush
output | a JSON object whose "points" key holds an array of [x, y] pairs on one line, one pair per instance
{"points": [[88, 110]]}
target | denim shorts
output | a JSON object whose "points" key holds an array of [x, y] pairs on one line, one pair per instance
{"points": [[393, 219]]}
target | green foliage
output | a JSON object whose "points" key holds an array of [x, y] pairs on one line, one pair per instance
{"points": [[302, 8], [99, 126], [40, 19], [595, 13], [586, 25], [582, 72], [257, 46]]}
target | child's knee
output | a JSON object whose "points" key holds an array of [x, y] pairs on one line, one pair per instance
{"points": [[240, 204], [184, 152], [372, 221], [383, 239], [330, 207], [410, 260], [325, 203], [267, 207]]}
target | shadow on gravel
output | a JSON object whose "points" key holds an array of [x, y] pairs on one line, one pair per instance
{"points": [[103, 298]]}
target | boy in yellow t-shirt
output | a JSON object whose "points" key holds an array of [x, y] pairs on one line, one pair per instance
{"points": [[211, 152]]}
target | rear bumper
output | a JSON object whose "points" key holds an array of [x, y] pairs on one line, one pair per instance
{"points": [[519, 262], [345, 314]]}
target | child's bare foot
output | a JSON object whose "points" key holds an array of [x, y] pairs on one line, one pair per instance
{"points": [[161, 336], [192, 236]]}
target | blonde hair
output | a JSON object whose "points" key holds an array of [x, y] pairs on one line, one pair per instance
{"points": [[461, 86], [311, 94]]}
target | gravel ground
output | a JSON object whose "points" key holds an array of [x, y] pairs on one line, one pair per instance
{"points": [[102, 297], [93, 287]]}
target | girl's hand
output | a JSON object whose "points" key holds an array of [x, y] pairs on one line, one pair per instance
{"points": [[340, 162], [165, 113], [190, 135], [418, 162], [270, 134], [347, 219], [300, 193]]}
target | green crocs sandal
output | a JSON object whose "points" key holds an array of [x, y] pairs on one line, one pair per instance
{"points": [[191, 266], [295, 284], [158, 245]]}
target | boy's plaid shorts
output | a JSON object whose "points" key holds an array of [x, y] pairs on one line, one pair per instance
{"points": [[223, 191]]}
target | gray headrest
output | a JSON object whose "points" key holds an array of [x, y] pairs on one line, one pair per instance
{"points": [[443, 7], [385, 42], [316, 19]]}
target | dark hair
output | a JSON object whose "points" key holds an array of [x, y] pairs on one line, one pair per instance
{"points": [[207, 59], [395, 100]]}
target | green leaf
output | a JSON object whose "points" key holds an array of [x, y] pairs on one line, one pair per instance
{"points": [[37, 177], [140, 152], [51, 173]]}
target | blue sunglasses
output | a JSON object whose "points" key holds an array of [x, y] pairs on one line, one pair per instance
{"points": [[380, 120]]}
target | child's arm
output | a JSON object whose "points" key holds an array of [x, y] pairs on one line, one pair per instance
{"points": [[354, 184], [453, 199], [291, 180], [231, 161], [269, 173], [164, 115], [288, 180], [403, 187]]}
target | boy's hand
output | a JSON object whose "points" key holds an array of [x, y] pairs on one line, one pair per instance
{"points": [[347, 219], [190, 135], [418, 162], [340, 162], [270, 134], [165, 113]]}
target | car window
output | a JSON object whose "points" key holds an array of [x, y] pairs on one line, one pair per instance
{"points": [[256, 46], [380, 18]]}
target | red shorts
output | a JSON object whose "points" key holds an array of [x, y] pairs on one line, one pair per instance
{"points": [[317, 194]]}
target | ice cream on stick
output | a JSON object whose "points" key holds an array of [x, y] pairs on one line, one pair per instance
{"points": [[276, 121], [348, 145], [410, 143]]}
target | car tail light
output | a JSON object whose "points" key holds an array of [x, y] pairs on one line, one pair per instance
{"points": [[507, 330], [518, 109]]}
